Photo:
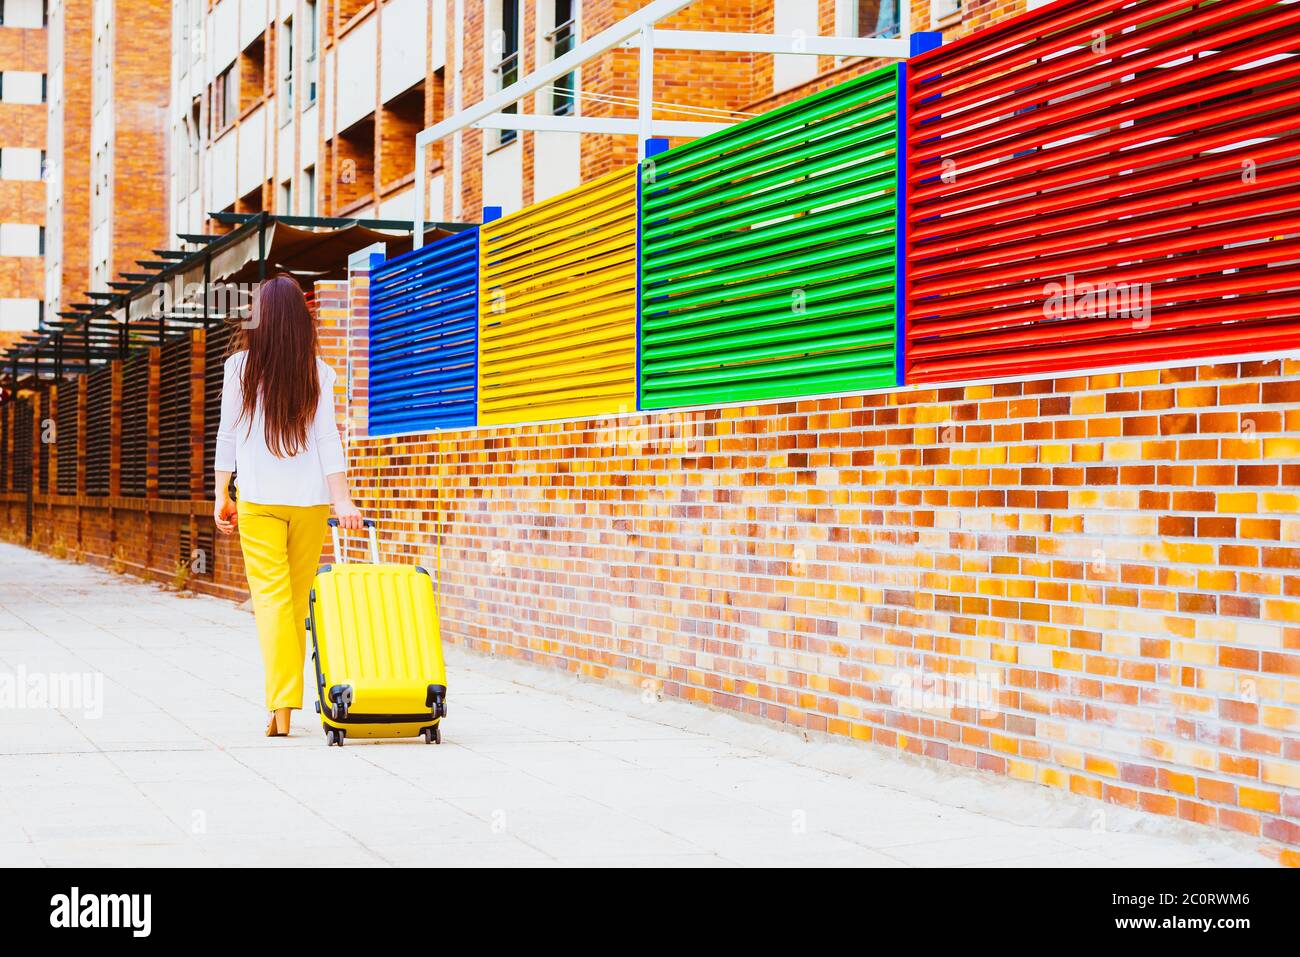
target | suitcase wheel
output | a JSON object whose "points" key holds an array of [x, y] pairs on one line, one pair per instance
{"points": [[433, 735], [335, 736], [436, 698]]}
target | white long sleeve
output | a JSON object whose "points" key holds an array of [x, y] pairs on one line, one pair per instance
{"points": [[263, 478]]}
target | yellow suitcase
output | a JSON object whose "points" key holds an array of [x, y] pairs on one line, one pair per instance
{"points": [[374, 634]]}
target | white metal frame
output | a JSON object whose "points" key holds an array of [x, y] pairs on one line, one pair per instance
{"points": [[636, 31]]}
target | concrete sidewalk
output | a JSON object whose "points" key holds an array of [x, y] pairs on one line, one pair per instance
{"points": [[537, 767]]}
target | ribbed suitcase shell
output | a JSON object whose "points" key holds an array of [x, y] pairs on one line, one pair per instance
{"points": [[374, 627]]}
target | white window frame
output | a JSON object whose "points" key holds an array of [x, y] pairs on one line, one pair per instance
{"points": [[846, 18], [311, 52], [494, 62], [946, 12], [546, 49], [307, 197], [285, 55]]}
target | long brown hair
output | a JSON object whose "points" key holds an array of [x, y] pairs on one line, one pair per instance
{"points": [[280, 368]]}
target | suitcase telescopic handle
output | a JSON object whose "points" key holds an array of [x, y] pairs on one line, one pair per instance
{"points": [[374, 539]]}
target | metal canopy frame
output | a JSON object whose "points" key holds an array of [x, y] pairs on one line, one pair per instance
{"points": [[88, 333], [638, 31]]}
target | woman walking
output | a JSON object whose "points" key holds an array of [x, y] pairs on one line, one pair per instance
{"points": [[279, 436]]}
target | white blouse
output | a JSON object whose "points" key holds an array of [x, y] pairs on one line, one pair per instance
{"points": [[262, 477]]}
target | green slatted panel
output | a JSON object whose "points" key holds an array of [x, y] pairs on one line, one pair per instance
{"points": [[768, 253]]}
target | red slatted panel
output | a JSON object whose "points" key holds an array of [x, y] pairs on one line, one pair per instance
{"points": [[1105, 182]]}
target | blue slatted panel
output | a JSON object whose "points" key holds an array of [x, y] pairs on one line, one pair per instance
{"points": [[424, 338]]}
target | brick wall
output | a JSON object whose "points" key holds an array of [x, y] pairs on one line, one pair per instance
{"points": [[140, 90], [22, 277], [73, 184], [976, 15], [682, 78], [357, 320], [136, 111], [1090, 582]]}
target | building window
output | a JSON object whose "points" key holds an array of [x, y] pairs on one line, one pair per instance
{"points": [[505, 42], [563, 39], [254, 76], [21, 162], [21, 239], [944, 11], [309, 59], [559, 40], [286, 71], [284, 202], [309, 191], [875, 18], [193, 132], [24, 14], [225, 101], [22, 86]]}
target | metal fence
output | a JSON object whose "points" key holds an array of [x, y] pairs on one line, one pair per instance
{"points": [[424, 316], [557, 333], [768, 253], [1097, 183], [175, 398], [1091, 183], [99, 425], [137, 371]]}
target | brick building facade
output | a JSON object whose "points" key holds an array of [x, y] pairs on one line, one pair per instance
{"points": [[311, 107], [106, 201], [738, 84], [23, 68]]}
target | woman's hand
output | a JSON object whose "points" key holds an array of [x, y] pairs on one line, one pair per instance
{"points": [[226, 514], [349, 515]]}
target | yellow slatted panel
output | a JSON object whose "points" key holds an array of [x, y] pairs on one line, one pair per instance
{"points": [[557, 313]]}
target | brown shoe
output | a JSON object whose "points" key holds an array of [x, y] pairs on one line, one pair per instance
{"points": [[278, 726]]}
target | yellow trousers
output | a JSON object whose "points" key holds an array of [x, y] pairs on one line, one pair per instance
{"points": [[282, 549]]}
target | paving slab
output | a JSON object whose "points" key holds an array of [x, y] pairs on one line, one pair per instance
{"points": [[168, 766]]}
